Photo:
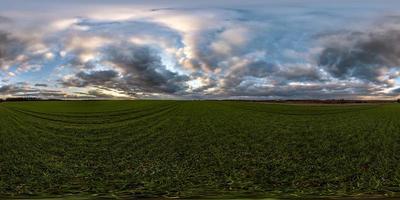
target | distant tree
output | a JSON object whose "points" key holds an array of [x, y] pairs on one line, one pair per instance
{"points": [[22, 99], [398, 100]]}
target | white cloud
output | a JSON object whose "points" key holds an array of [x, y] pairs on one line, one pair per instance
{"points": [[240, 49]]}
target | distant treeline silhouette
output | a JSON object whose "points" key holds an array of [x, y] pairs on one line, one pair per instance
{"points": [[10, 99], [328, 101], [322, 101]]}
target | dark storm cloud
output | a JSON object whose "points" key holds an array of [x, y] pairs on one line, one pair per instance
{"points": [[41, 94], [96, 93], [97, 77], [83, 79], [321, 91], [143, 70], [5, 89], [300, 73], [396, 91], [99, 94], [363, 55], [10, 48], [194, 51], [240, 79], [24, 51], [41, 85], [16, 88], [26, 90], [260, 69], [5, 20], [257, 69]]}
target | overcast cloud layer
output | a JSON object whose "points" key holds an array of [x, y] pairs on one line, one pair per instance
{"points": [[210, 50]]}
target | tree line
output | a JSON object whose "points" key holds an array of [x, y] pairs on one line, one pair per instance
{"points": [[11, 99]]}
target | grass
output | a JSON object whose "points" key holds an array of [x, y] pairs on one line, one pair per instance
{"points": [[198, 149]]}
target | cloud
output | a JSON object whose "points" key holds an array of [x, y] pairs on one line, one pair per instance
{"points": [[99, 94], [133, 69], [197, 51], [300, 90], [369, 55], [22, 89], [5, 20], [96, 93], [11, 49], [232, 57], [41, 85], [25, 52], [143, 69], [396, 91], [300, 73], [83, 79], [5, 89]]}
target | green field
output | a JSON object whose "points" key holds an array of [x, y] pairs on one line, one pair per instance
{"points": [[198, 149]]}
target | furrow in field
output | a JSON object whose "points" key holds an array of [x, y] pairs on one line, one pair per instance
{"points": [[24, 132], [92, 114], [109, 153], [126, 131], [59, 130], [97, 120], [273, 122], [267, 110], [125, 147], [68, 119], [195, 147], [301, 122], [142, 133], [128, 128]]}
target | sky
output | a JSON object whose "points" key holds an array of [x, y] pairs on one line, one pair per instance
{"points": [[219, 49]]}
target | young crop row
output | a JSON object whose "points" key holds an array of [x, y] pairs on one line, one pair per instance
{"points": [[192, 148]]}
